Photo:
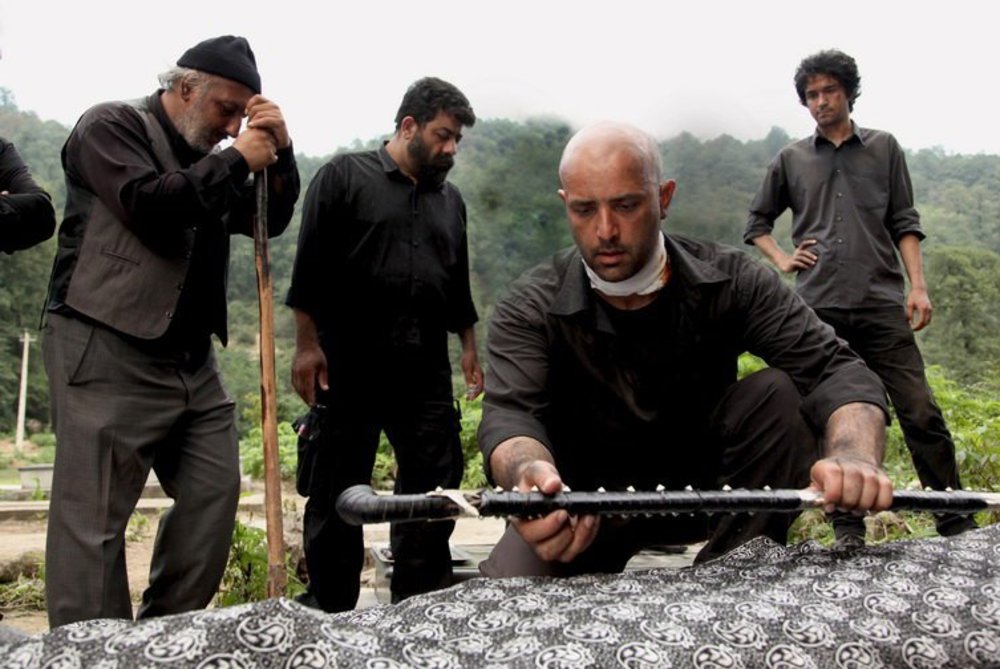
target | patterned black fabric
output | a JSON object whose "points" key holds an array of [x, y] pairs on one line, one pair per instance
{"points": [[919, 604]]}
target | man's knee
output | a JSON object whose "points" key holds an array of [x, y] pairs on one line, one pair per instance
{"points": [[774, 387], [763, 402], [765, 437]]}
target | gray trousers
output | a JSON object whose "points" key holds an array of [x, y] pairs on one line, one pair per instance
{"points": [[119, 410]]}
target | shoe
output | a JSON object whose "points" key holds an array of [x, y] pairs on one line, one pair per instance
{"points": [[848, 528], [950, 524], [308, 599]]}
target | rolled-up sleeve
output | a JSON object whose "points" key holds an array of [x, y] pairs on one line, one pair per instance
{"points": [[787, 334], [517, 398], [769, 203], [902, 216]]}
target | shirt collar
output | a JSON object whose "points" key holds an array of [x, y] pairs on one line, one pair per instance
{"points": [[576, 296], [857, 134]]}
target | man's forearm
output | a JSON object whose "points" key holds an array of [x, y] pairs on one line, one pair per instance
{"points": [[306, 334], [468, 338], [909, 250], [511, 456], [770, 249], [856, 430]]}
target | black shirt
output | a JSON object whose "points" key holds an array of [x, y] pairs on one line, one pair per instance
{"points": [[625, 398], [26, 214], [382, 262], [857, 201], [108, 155]]}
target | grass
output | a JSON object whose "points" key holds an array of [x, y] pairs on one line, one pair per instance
{"points": [[25, 593]]}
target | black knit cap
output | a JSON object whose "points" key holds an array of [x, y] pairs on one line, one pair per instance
{"points": [[227, 56]]}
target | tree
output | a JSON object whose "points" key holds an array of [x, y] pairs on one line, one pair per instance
{"points": [[964, 336]]}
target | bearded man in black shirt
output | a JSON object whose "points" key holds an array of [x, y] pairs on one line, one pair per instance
{"points": [[138, 289], [381, 276]]}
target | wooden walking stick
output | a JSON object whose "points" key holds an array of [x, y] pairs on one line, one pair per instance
{"points": [[268, 397]]}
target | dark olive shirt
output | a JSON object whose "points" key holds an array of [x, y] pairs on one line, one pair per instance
{"points": [[109, 156], [856, 200], [626, 397], [382, 262], [26, 213]]}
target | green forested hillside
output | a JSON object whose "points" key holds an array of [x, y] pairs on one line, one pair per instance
{"points": [[507, 173]]}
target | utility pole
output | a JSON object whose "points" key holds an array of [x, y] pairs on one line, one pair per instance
{"points": [[22, 400]]}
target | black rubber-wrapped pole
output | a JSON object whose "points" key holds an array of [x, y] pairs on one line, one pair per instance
{"points": [[940, 501], [360, 505], [712, 501], [639, 503]]}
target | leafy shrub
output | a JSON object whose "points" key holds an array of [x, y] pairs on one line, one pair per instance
{"points": [[472, 413], [245, 578], [252, 452]]}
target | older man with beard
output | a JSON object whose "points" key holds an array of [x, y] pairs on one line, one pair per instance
{"points": [[381, 276], [138, 288]]}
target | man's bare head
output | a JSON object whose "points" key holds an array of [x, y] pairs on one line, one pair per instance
{"points": [[599, 141]]}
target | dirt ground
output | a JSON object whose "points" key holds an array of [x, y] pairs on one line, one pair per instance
{"points": [[20, 537]]}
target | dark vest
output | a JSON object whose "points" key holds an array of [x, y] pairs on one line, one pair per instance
{"points": [[129, 284]]}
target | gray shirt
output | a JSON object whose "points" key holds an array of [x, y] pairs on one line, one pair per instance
{"points": [[856, 200]]}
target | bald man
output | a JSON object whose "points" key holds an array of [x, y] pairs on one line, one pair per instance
{"points": [[614, 364]]}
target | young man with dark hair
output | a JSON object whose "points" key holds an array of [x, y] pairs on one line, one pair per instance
{"points": [[852, 209], [381, 276]]}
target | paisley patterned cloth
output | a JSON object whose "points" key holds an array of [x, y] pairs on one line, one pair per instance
{"points": [[920, 604]]}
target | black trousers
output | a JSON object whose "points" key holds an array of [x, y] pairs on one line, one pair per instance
{"points": [[421, 423], [884, 340], [118, 411], [762, 439]]}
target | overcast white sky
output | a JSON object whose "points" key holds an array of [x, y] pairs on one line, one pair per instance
{"points": [[339, 69]]}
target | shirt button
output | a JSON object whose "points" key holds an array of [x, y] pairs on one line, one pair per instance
{"points": [[180, 285], [836, 171], [840, 241], [840, 195], [840, 218], [170, 315]]}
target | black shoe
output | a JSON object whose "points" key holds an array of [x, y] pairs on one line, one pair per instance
{"points": [[308, 599], [848, 528], [950, 524], [849, 542]]}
